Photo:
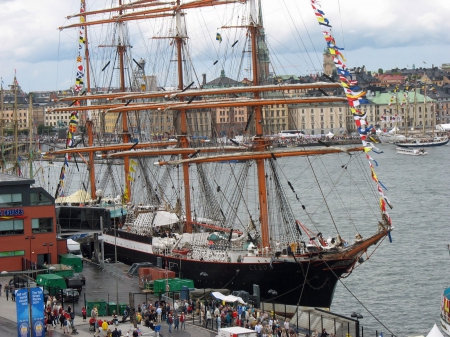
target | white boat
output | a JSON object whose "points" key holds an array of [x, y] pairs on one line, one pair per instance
{"points": [[424, 142], [412, 151]]}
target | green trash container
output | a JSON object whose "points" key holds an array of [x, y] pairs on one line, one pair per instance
{"points": [[111, 307], [159, 286], [100, 304], [122, 307]]}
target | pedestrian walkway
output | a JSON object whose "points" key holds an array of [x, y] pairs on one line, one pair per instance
{"points": [[8, 323]]}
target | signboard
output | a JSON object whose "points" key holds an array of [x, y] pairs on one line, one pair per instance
{"points": [[37, 311], [23, 317], [30, 299]]}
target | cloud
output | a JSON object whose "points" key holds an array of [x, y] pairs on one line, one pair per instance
{"points": [[381, 34]]}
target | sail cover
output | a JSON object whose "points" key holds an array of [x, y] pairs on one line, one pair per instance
{"points": [[228, 299]]}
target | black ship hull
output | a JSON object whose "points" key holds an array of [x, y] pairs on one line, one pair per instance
{"points": [[286, 278]]}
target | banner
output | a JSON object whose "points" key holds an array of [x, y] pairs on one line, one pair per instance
{"points": [[23, 317], [37, 311]]}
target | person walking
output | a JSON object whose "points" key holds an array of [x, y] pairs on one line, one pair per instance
{"points": [[7, 291], [176, 322], [13, 293], [62, 318], [219, 322], [170, 322], [208, 318], [183, 321], [83, 313]]}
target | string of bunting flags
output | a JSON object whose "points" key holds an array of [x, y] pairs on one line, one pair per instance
{"points": [[355, 97], [78, 87]]}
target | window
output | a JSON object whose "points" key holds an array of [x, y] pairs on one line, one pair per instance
{"points": [[44, 225], [7, 200], [13, 253], [11, 227], [39, 198]]}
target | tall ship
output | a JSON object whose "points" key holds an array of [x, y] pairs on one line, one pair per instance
{"points": [[227, 214]]}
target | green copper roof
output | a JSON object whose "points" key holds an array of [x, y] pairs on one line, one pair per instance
{"points": [[385, 97]]}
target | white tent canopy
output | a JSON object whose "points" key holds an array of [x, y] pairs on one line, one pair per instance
{"points": [[435, 332], [228, 299], [79, 196], [330, 134]]}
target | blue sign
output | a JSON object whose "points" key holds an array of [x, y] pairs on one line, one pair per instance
{"points": [[23, 326], [12, 212], [37, 311]]}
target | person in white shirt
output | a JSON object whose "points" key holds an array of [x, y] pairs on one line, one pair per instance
{"points": [[158, 314], [258, 328], [286, 324]]}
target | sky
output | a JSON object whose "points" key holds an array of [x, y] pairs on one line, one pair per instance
{"points": [[378, 34]]}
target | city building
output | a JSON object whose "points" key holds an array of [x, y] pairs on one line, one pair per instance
{"points": [[399, 109], [27, 225], [321, 119]]}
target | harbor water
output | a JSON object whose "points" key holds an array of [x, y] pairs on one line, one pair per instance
{"points": [[401, 284]]}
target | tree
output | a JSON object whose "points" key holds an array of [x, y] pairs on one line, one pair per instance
{"points": [[380, 71], [42, 129]]}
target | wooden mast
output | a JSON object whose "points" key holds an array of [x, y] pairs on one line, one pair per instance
{"points": [[89, 122], [184, 143], [262, 187], [125, 133]]}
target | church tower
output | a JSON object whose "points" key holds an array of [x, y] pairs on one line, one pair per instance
{"points": [[328, 65], [263, 51]]}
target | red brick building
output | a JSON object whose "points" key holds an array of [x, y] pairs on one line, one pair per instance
{"points": [[27, 225]]}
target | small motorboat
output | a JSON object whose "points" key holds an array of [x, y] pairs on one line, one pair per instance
{"points": [[412, 151]]}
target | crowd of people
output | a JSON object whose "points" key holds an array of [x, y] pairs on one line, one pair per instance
{"points": [[56, 315], [212, 314]]}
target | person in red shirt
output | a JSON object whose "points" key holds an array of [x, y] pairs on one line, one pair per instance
{"points": [[83, 313], [234, 315]]}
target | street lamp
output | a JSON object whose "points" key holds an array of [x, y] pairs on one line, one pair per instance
{"points": [[358, 316], [30, 238], [272, 294], [48, 245], [204, 275]]}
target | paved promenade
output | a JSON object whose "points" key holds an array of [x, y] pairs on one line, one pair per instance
{"points": [[8, 323]]}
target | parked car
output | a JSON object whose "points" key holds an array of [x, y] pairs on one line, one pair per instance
{"points": [[68, 295], [81, 277], [74, 283]]}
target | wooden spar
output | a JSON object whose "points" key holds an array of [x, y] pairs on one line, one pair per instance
{"points": [[144, 4], [184, 142], [253, 155], [129, 6], [357, 249], [89, 123], [147, 14], [206, 92], [176, 151], [114, 20], [116, 147], [206, 104]]}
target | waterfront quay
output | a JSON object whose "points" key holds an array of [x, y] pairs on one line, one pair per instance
{"points": [[111, 284], [100, 284]]}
